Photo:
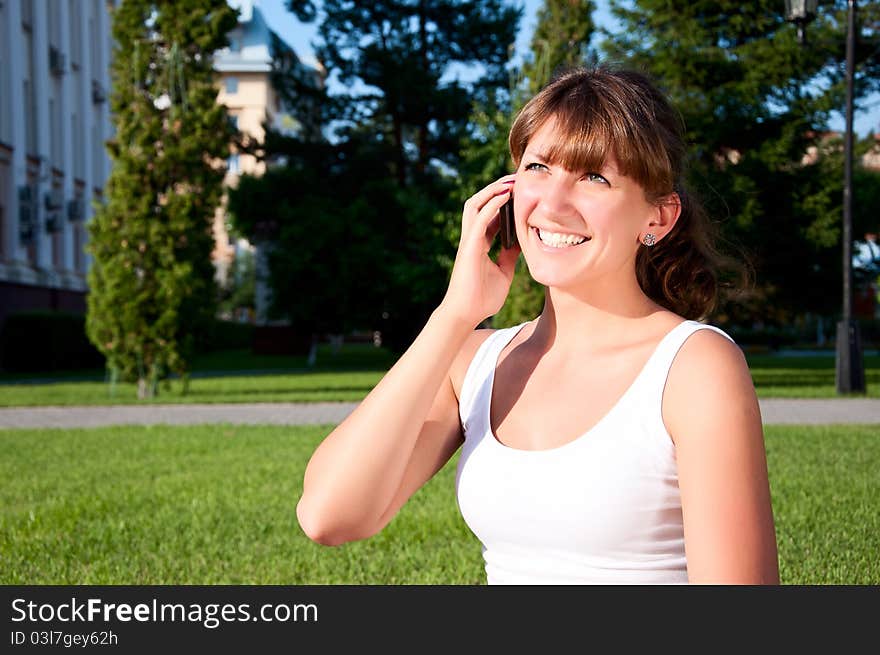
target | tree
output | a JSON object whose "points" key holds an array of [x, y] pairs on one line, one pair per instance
{"points": [[754, 102], [151, 281], [361, 204]]}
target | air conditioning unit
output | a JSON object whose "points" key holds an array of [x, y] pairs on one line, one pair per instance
{"points": [[25, 195], [57, 61], [76, 209], [27, 214], [53, 221], [98, 95], [54, 200]]}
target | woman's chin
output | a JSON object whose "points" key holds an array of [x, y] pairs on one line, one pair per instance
{"points": [[550, 276]]}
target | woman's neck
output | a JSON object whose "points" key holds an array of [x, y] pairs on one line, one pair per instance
{"points": [[608, 317]]}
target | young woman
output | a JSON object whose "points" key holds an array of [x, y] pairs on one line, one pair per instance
{"points": [[614, 439]]}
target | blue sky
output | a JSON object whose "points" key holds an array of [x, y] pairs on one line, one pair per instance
{"points": [[299, 36]]}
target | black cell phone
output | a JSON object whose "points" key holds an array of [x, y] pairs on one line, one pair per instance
{"points": [[508, 227]]}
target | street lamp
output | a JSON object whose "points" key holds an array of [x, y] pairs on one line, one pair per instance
{"points": [[850, 371], [801, 13]]}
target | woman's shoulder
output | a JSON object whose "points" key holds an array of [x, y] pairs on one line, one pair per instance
{"points": [[709, 369], [466, 355], [708, 350]]}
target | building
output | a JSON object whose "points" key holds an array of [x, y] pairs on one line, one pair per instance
{"points": [[54, 120], [244, 71]]}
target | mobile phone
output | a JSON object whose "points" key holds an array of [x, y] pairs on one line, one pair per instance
{"points": [[508, 227]]}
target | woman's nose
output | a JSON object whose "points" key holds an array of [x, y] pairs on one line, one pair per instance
{"points": [[555, 198]]}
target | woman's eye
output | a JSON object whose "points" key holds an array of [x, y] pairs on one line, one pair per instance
{"points": [[595, 177], [535, 166]]}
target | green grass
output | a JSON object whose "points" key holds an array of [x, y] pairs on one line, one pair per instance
{"points": [[805, 377], [200, 505], [215, 505], [226, 377], [825, 483], [292, 387], [353, 373]]}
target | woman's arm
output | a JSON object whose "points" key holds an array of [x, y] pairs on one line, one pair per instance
{"points": [[712, 413], [408, 427]]}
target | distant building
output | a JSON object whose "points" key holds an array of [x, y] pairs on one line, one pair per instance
{"points": [[244, 70], [871, 159], [54, 120]]}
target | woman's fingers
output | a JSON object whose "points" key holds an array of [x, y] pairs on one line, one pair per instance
{"points": [[488, 220], [474, 205]]}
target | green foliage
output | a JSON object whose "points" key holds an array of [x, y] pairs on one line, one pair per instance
{"points": [[239, 292], [754, 101], [151, 280], [561, 40], [362, 207]]}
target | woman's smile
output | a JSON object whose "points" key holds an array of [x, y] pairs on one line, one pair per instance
{"points": [[556, 242]]}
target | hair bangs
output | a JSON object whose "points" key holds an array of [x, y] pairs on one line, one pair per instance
{"points": [[593, 123], [583, 140]]}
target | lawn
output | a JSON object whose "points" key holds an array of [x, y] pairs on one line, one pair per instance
{"points": [[215, 505], [238, 377], [805, 376]]}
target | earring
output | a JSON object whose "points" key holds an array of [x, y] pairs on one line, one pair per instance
{"points": [[650, 240]]}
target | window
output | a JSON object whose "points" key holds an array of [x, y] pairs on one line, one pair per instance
{"points": [[30, 129], [231, 85], [55, 149], [234, 45], [27, 13], [75, 38], [5, 120]]}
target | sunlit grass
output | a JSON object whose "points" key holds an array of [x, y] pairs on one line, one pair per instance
{"points": [[350, 377], [216, 504]]}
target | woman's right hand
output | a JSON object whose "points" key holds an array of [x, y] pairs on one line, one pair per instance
{"points": [[478, 286]]}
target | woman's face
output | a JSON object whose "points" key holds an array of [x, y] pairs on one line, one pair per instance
{"points": [[575, 227]]}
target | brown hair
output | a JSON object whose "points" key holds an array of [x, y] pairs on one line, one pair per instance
{"points": [[602, 110]]}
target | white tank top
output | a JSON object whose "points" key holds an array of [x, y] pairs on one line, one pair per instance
{"points": [[602, 509]]}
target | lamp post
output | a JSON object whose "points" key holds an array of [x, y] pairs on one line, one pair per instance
{"points": [[801, 13], [849, 370]]}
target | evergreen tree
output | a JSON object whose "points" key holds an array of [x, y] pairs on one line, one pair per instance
{"points": [[151, 280], [364, 200], [561, 40]]}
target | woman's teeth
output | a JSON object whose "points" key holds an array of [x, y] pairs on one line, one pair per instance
{"points": [[557, 240]]}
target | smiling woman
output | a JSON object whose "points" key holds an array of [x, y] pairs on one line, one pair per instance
{"points": [[614, 439]]}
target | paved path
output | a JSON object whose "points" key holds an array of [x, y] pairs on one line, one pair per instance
{"points": [[773, 411]]}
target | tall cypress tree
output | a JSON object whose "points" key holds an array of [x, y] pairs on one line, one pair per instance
{"points": [[151, 280]]}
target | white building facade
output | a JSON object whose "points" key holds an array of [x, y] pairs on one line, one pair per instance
{"points": [[54, 120]]}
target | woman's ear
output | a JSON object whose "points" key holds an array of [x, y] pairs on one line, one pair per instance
{"points": [[666, 213]]}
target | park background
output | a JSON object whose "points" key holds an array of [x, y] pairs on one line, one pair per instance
{"points": [[289, 242]]}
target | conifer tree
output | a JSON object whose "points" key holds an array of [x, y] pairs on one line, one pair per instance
{"points": [[151, 280], [364, 203]]}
